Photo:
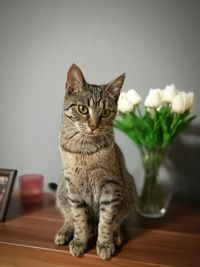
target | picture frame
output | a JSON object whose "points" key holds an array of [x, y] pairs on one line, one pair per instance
{"points": [[7, 179]]}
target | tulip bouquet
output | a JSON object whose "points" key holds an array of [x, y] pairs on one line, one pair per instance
{"points": [[166, 113]]}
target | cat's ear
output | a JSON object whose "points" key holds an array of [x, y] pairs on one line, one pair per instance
{"points": [[75, 79], [115, 86]]}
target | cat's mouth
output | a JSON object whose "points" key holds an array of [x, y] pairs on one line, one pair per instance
{"points": [[92, 132]]}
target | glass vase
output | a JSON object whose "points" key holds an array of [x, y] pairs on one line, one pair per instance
{"points": [[158, 184]]}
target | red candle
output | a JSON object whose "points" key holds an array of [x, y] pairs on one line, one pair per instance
{"points": [[31, 188]]}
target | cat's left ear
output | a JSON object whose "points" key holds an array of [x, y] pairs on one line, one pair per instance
{"points": [[115, 86]]}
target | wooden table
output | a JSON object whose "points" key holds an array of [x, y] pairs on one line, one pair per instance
{"points": [[26, 239]]}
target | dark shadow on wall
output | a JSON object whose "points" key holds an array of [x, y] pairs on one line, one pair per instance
{"points": [[185, 154]]}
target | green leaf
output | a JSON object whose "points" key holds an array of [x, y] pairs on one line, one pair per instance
{"points": [[155, 129]]}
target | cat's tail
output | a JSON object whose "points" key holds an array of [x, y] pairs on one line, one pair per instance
{"points": [[52, 186]]}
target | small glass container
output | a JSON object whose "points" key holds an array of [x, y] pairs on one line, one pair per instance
{"points": [[31, 188]]}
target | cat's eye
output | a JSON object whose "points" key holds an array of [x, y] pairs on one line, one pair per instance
{"points": [[83, 109], [105, 113]]}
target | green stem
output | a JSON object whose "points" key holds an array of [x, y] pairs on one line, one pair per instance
{"points": [[151, 198], [139, 112]]}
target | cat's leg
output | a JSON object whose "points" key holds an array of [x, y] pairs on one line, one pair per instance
{"points": [[82, 229], [110, 201], [80, 215]]}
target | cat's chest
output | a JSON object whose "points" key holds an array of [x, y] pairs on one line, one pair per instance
{"points": [[88, 172], [77, 163], [83, 174], [82, 164]]}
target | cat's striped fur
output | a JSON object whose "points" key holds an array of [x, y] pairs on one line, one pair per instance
{"points": [[95, 187]]}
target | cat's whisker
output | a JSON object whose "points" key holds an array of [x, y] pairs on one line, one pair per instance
{"points": [[104, 135], [74, 134], [107, 132]]}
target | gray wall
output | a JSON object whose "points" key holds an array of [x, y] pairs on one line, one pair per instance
{"points": [[155, 42]]}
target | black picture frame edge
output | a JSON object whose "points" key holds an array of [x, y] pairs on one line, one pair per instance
{"points": [[11, 174]]}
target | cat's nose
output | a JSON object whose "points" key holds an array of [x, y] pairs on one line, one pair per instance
{"points": [[93, 127]]}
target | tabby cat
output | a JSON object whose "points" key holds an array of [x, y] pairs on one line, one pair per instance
{"points": [[95, 189]]}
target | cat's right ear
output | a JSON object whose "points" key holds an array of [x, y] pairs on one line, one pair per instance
{"points": [[75, 79]]}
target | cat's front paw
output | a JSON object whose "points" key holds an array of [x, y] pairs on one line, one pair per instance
{"points": [[77, 247], [105, 250]]}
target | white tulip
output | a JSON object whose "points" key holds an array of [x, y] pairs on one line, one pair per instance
{"points": [[179, 103], [133, 97], [124, 105], [182, 102], [169, 93], [190, 100], [154, 98]]}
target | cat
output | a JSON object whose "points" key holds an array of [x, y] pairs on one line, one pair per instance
{"points": [[95, 187]]}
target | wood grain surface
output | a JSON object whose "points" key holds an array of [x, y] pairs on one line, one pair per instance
{"points": [[26, 239]]}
